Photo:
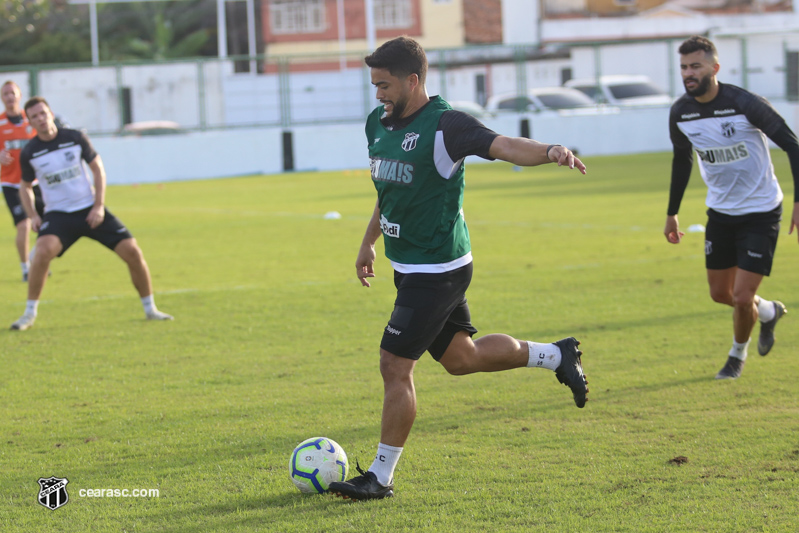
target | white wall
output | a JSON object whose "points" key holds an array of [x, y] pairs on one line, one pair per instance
{"points": [[224, 153]]}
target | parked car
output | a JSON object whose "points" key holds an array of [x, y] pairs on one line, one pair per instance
{"points": [[151, 127], [621, 90], [540, 99], [472, 108]]}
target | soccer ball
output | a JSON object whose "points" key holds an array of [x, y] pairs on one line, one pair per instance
{"points": [[317, 462]]}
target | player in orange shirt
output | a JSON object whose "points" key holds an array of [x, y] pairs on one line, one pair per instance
{"points": [[15, 131]]}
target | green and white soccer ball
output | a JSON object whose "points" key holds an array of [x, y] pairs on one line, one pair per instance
{"points": [[316, 463]]}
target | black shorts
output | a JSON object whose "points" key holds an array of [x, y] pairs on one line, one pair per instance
{"points": [[15, 205], [429, 310], [69, 227], [746, 241]]}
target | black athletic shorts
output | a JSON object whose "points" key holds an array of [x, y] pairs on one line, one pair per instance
{"points": [[15, 205], [69, 227], [429, 310], [746, 241]]}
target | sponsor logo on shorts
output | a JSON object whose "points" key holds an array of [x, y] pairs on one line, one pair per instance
{"points": [[750, 253], [44, 226], [708, 247], [17, 210], [123, 229], [393, 331]]}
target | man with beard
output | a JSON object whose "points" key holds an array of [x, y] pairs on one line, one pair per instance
{"points": [[727, 127], [417, 145]]}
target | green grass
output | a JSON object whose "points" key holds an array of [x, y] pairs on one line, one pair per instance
{"points": [[275, 341]]}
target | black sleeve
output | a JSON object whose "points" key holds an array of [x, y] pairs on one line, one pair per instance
{"points": [[760, 113], [87, 150], [681, 164], [28, 174], [465, 135], [785, 138]]}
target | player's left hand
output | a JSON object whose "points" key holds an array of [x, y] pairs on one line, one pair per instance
{"points": [[565, 157], [5, 158], [795, 220], [96, 216]]}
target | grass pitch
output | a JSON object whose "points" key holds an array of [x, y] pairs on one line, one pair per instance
{"points": [[275, 341]]}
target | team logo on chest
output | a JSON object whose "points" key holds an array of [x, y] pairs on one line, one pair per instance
{"points": [[409, 143], [70, 156], [727, 129]]}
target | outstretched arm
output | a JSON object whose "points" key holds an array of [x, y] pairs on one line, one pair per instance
{"points": [[786, 139], [528, 153], [364, 264]]}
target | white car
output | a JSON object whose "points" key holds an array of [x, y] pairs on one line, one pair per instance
{"points": [[540, 99], [472, 108], [622, 90]]}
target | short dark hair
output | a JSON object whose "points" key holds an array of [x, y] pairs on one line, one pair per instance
{"points": [[402, 57], [35, 100], [697, 43]]}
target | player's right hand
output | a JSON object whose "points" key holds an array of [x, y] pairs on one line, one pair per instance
{"points": [[672, 230], [5, 158], [364, 265], [36, 223]]}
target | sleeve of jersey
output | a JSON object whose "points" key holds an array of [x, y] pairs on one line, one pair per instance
{"points": [[87, 150], [25, 165], [681, 164], [760, 113], [785, 138], [465, 135]]}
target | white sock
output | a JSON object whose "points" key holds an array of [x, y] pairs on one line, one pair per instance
{"points": [[765, 309], [32, 307], [149, 304], [25, 267], [738, 350], [385, 462], [543, 355]]}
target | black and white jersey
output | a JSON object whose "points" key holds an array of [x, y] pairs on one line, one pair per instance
{"points": [[60, 166], [729, 135]]}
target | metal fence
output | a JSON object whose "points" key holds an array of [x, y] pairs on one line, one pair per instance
{"points": [[267, 91]]}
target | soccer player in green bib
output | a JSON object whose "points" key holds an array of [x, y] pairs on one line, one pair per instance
{"points": [[417, 145]]}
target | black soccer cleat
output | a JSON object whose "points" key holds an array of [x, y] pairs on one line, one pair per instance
{"points": [[766, 339], [570, 371], [363, 487], [732, 369]]}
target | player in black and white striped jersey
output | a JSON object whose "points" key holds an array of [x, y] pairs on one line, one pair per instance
{"points": [[728, 127], [74, 207]]}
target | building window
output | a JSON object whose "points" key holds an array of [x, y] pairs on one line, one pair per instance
{"points": [[297, 16], [392, 14]]}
